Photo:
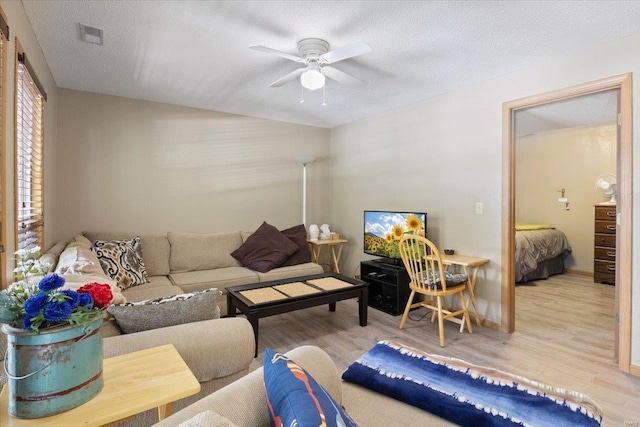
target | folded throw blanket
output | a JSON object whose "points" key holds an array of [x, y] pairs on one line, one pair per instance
{"points": [[467, 394]]}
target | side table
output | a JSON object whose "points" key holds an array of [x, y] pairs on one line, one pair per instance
{"points": [[316, 247], [133, 383], [471, 265]]}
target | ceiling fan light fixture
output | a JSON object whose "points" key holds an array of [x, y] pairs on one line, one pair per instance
{"points": [[312, 79]]}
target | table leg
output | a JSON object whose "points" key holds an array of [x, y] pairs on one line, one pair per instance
{"points": [[336, 258], [231, 309], [165, 410], [315, 251], [472, 297], [332, 306], [363, 303], [253, 319]]}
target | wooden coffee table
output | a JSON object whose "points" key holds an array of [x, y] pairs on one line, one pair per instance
{"points": [[133, 383], [283, 296]]}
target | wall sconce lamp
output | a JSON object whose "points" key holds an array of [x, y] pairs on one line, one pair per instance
{"points": [[563, 199]]}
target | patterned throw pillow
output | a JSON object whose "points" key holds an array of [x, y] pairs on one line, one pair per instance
{"points": [[168, 311], [122, 261], [295, 398]]}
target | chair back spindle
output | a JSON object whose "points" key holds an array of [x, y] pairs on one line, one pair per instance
{"points": [[424, 272]]}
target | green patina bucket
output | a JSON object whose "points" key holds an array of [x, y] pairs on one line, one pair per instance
{"points": [[53, 371]]}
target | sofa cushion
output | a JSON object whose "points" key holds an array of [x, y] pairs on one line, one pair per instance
{"points": [[265, 249], [298, 235], [167, 311], [57, 249], [82, 241], [122, 261], [155, 249], [306, 269], [207, 419], [220, 278], [197, 251], [294, 397], [158, 286]]}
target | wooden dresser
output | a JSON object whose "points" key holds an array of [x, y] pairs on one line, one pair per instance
{"points": [[604, 259]]}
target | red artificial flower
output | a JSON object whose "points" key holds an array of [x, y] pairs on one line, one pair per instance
{"points": [[100, 292]]}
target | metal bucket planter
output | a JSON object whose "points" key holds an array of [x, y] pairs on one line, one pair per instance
{"points": [[53, 371]]}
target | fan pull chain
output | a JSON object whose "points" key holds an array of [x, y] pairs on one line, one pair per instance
{"points": [[301, 93], [324, 96]]}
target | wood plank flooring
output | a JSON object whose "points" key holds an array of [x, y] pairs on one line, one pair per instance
{"points": [[564, 337]]}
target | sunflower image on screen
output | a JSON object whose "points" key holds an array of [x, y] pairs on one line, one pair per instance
{"points": [[383, 230]]}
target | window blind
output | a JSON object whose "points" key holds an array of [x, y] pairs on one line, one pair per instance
{"points": [[4, 37], [29, 158]]}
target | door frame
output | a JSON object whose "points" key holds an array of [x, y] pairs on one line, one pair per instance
{"points": [[624, 235]]}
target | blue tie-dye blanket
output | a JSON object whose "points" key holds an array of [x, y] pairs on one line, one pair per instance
{"points": [[467, 394]]}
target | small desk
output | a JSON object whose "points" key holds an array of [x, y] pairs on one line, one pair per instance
{"points": [[467, 263], [133, 383], [316, 247]]}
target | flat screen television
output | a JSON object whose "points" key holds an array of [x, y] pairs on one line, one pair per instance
{"points": [[383, 229]]}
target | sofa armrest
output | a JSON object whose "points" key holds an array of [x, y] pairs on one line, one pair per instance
{"points": [[244, 403], [211, 348]]}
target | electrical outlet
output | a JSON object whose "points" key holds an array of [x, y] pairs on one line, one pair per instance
{"points": [[479, 208]]}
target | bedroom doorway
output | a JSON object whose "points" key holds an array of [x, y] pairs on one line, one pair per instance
{"points": [[624, 206]]}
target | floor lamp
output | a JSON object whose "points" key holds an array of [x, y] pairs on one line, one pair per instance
{"points": [[304, 160]]}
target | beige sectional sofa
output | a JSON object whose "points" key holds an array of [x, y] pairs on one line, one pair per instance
{"points": [[217, 351], [187, 262], [243, 402], [176, 263]]}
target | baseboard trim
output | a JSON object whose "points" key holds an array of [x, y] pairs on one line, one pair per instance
{"points": [[579, 272], [489, 324], [634, 370]]}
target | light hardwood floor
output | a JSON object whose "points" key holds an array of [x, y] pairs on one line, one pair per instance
{"points": [[564, 337]]}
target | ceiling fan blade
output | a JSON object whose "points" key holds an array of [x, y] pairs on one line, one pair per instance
{"points": [[349, 51], [340, 76], [286, 79], [285, 55]]}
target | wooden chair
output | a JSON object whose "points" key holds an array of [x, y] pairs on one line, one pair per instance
{"points": [[424, 264]]}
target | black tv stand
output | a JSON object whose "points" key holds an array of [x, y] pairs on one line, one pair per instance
{"points": [[388, 285], [392, 261]]}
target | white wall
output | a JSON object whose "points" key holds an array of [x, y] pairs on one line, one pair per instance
{"points": [[444, 154], [571, 159], [144, 167], [20, 28]]}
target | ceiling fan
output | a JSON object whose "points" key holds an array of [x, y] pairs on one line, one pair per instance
{"points": [[316, 57]]}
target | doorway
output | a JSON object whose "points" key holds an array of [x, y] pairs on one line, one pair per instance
{"points": [[625, 226]]}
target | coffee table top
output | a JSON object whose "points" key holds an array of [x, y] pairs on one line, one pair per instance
{"points": [[294, 288], [133, 383]]}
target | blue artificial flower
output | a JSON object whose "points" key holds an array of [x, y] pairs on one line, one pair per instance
{"points": [[26, 323], [56, 312], [85, 300], [51, 282], [72, 297], [34, 304]]}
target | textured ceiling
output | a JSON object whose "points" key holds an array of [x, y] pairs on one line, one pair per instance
{"points": [[588, 110], [195, 53]]}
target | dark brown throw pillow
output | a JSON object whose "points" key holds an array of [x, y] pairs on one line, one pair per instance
{"points": [[298, 235], [265, 249]]}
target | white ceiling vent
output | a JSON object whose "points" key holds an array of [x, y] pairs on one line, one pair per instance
{"points": [[90, 34]]}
